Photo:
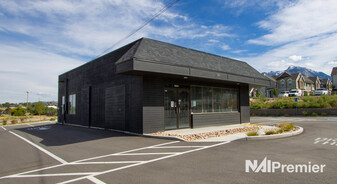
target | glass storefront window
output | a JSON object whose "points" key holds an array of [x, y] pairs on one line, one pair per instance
{"points": [[72, 104], [218, 102], [208, 99], [196, 99]]}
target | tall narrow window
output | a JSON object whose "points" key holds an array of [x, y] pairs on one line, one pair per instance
{"points": [[72, 104], [63, 104], [282, 83], [290, 82]]}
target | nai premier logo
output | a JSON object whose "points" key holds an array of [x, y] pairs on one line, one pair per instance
{"points": [[268, 166]]}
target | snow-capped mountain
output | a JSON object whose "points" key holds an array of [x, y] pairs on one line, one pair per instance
{"points": [[296, 69]]}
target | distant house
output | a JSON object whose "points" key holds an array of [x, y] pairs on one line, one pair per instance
{"points": [[287, 81], [326, 83], [334, 76], [317, 82], [267, 91], [309, 85]]}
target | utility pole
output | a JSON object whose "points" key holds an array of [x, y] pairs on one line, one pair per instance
{"points": [[27, 100]]}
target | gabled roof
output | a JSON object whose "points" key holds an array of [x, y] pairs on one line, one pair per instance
{"points": [[334, 71], [270, 78], [147, 55], [314, 79], [287, 75], [324, 81], [307, 80]]}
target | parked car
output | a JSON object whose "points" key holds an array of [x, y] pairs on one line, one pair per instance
{"points": [[334, 91], [295, 92], [284, 94], [321, 91]]}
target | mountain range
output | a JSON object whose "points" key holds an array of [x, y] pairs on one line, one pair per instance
{"points": [[297, 69]]}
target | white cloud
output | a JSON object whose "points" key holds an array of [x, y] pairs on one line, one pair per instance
{"points": [[213, 41], [302, 20], [225, 47], [27, 69], [58, 31], [295, 58], [332, 63], [307, 28], [316, 53]]}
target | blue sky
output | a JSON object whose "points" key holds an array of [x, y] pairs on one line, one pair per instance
{"points": [[41, 39]]}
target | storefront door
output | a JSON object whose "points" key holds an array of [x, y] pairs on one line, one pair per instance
{"points": [[177, 108]]}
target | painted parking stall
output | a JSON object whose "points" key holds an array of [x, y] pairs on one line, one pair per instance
{"points": [[110, 163]]}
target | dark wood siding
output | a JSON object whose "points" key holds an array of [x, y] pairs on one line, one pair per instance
{"points": [[153, 105], [215, 119], [115, 107], [244, 103]]}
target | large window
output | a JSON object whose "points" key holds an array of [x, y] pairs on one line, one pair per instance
{"points": [[208, 99], [72, 104], [196, 99]]}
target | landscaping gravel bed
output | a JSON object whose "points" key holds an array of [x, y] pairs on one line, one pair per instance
{"points": [[200, 136]]}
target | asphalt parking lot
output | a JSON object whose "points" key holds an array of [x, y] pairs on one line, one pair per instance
{"points": [[53, 153]]}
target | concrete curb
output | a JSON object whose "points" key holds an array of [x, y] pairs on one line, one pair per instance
{"points": [[276, 136], [125, 132]]}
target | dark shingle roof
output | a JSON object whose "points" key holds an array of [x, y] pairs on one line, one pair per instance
{"points": [[161, 52], [307, 80], [334, 71]]}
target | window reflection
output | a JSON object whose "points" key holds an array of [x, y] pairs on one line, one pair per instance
{"points": [[208, 99]]}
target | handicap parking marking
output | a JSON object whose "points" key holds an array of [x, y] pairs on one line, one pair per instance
{"points": [[47, 127], [83, 163], [325, 140]]}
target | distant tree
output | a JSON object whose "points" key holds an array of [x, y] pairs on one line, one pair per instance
{"points": [[275, 93], [18, 111], [257, 93], [39, 108], [50, 111]]}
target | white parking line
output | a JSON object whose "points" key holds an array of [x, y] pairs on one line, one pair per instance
{"points": [[95, 180], [137, 149], [92, 175], [137, 164], [129, 154], [56, 174], [4, 128], [115, 162], [40, 148], [92, 158], [179, 147]]}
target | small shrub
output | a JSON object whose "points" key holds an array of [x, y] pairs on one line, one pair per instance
{"points": [[22, 120], [324, 114], [52, 119], [286, 115], [315, 114], [286, 126], [18, 111], [252, 133], [280, 131], [4, 122], [305, 113], [253, 114], [270, 132], [14, 121]]}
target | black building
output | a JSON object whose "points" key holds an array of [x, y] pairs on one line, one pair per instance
{"points": [[148, 86]]}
